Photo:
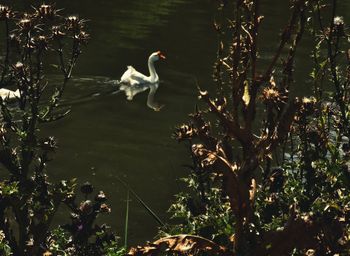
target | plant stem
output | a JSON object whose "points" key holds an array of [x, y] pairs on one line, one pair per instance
{"points": [[126, 219]]}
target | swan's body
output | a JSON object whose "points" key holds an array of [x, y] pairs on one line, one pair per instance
{"points": [[8, 94], [132, 77]]}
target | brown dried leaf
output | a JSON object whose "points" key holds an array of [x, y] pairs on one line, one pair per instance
{"points": [[182, 244]]}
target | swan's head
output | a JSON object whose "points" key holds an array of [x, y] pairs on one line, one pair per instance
{"points": [[156, 56]]}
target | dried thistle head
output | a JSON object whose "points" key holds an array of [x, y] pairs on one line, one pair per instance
{"points": [[198, 150], [271, 94], [46, 11], [5, 12], [74, 23], [41, 42], [307, 108], [82, 37], [25, 24], [206, 157], [86, 207], [57, 32], [19, 69], [184, 132], [104, 208], [2, 236], [338, 21], [101, 197], [339, 25], [308, 105], [19, 66]]}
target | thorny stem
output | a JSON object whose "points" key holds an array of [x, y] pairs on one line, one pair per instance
{"points": [[253, 42], [198, 173], [255, 38], [6, 62], [236, 57], [286, 35], [219, 54], [333, 66], [67, 75], [319, 73]]}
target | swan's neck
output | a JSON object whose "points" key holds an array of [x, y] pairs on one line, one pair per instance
{"points": [[152, 71]]}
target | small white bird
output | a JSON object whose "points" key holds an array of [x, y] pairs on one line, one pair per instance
{"points": [[132, 77], [7, 94]]}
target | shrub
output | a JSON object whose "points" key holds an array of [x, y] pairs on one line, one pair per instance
{"points": [[29, 200], [279, 178]]}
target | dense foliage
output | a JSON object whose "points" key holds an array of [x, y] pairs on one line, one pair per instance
{"points": [[34, 43], [272, 182]]}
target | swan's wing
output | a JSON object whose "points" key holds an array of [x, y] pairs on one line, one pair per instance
{"points": [[132, 76], [127, 74], [137, 75]]}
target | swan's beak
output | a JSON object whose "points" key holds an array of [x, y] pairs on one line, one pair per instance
{"points": [[161, 56]]}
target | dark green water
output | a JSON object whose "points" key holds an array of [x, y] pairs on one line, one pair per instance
{"points": [[107, 136]]}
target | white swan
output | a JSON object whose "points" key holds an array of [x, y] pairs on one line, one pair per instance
{"points": [[133, 77], [7, 94]]}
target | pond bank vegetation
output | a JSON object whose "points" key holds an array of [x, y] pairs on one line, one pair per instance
{"points": [[269, 172], [271, 182]]}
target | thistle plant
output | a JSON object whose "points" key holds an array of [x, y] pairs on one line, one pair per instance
{"points": [[279, 163], [242, 143], [33, 43]]}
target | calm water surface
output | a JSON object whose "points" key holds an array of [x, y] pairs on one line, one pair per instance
{"points": [[106, 136]]}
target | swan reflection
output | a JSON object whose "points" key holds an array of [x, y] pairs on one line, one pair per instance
{"points": [[131, 90]]}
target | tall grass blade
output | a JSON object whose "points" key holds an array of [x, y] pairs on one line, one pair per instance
{"points": [[126, 219], [148, 209]]}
